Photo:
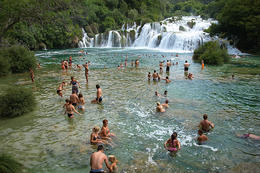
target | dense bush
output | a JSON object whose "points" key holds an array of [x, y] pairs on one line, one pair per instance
{"points": [[16, 101], [16, 59], [9, 165], [212, 53]]}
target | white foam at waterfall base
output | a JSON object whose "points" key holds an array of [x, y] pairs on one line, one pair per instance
{"points": [[171, 35]]}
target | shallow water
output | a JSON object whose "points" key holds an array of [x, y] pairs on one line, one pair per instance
{"points": [[47, 141]]}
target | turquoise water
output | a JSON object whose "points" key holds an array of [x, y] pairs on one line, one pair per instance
{"points": [[47, 141]]}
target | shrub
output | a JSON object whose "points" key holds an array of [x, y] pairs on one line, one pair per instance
{"points": [[20, 58], [9, 165], [4, 66], [212, 53], [16, 101]]}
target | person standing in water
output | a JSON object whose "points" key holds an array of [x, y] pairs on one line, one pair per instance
{"points": [[105, 132], [149, 76], [172, 144], [186, 66], [60, 88], [166, 104], [168, 64], [159, 107], [81, 102], [206, 125], [99, 95], [74, 98], [75, 85], [167, 79], [70, 109], [70, 62], [154, 75], [97, 159], [202, 64], [161, 66], [86, 71]]}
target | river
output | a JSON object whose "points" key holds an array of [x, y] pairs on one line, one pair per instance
{"points": [[47, 141]]}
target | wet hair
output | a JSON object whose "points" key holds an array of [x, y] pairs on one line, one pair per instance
{"points": [[73, 92], [64, 82], [67, 100], [167, 101], [105, 121], [158, 103], [186, 61], [165, 91], [71, 77], [174, 136], [70, 102], [100, 147], [112, 158], [205, 116], [97, 86], [154, 71], [149, 72], [167, 77], [96, 129], [80, 95], [200, 132]]}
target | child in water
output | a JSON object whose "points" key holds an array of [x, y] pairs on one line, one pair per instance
{"points": [[113, 161]]}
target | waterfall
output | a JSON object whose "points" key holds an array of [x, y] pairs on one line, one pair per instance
{"points": [[175, 34]]}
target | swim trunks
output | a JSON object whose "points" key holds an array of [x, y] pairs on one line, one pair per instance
{"points": [[245, 136], [186, 68], [100, 99], [167, 68], [96, 171], [74, 104], [69, 115]]}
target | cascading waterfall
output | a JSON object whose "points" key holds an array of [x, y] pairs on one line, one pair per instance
{"points": [[183, 35]]}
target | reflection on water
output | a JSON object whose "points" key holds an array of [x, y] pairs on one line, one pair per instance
{"points": [[47, 141]]}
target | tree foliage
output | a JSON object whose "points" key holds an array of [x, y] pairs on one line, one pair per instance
{"points": [[16, 101], [212, 53]]}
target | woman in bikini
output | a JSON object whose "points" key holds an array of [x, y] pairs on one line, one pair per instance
{"points": [[81, 102], [95, 138], [172, 144]]}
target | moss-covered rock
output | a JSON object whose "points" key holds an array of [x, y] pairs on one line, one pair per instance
{"points": [[9, 165], [159, 39], [181, 28], [191, 24]]}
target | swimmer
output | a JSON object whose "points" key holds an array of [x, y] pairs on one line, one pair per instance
{"points": [[113, 162], [136, 63], [167, 80], [74, 98], [105, 132], [32, 74], [70, 61], [70, 109], [248, 135], [165, 93], [81, 102], [149, 76], [97, 159], [79, 67], [60, 88], [202, 138], [121, 65], [132, 63], [39, 65], [166, 104], [66, 65], [99, 97], [172, 144], [118, 67], [63, 65], [95, 138], [202, 64], [159, 107], [154, 75], [157, 94], [190, 76], [206, 125]]}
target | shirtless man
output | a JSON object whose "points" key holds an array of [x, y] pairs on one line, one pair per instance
{"points": [[99, 95], [74, 98], [186, 66], [66, 64], [60, 88], [167, 79], [97, 159], [154, 75], [166, 104], [136, 63], [202, 137], [149, 76], [161, 66], [159, 107], [157, 94], [168, 64], [206, 125], [70, 109], [86, 71]]}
